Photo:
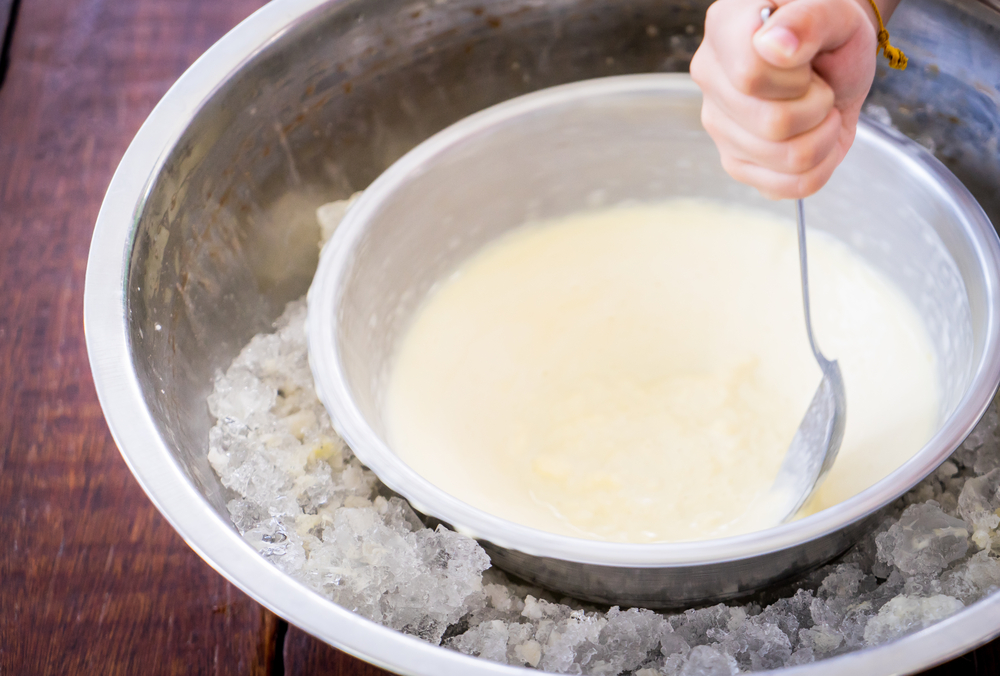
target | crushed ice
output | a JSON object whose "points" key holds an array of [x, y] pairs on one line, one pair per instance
{"points": [[309, 506]]}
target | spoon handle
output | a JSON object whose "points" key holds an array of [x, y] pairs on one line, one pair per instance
{"points": [[800, 220]]}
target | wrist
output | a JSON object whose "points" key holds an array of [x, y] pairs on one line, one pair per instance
{"points": [[885, 8]]}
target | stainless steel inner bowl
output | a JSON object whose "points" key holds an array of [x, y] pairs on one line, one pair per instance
{"points": [[208, 230], [631, 139]]}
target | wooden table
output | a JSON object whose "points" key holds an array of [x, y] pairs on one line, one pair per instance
{"points": [[92, 579]]}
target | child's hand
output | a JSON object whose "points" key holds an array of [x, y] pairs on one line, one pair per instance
{"points": [[782, 100]]}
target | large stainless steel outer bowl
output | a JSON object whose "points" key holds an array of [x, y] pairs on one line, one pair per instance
{"points": [[308, 94], [627, 139]]}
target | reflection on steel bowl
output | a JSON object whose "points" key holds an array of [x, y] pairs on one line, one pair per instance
{"points": [[208, 230], [639, 138]]}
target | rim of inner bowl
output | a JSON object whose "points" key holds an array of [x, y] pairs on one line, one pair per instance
{"points": [[212, 536], [331, 384]]}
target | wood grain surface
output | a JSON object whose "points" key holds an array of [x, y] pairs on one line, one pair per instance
{"points": [[92, 579]]}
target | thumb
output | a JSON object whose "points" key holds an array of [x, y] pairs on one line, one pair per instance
{"points": [[800, 29]]}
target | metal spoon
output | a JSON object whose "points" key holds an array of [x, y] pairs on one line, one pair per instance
{"points": [[815, 444], [817, 440]]}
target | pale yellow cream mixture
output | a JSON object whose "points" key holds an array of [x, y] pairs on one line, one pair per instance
{"points": [[636, 374]]}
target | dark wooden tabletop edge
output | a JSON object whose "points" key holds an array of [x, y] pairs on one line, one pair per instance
{"points": [[8, 21]]}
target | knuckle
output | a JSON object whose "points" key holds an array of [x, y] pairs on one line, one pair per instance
{"points": [[776, 123], [827, 97], [811, 182], [747, 78], [772, 193], [697, 68], [711, 16], [786, 190], [802, 157], [733, 168], [708, 120]]}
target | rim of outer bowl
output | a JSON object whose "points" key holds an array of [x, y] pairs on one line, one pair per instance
{"points": [[331, 384], [211, 536]]}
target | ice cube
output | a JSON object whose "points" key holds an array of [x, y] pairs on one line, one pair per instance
{"points": [[924, 541], [905, 614]]}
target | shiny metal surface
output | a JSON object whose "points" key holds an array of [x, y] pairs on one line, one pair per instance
{"points": [[605, 141], [207, 227], [817, 440]]}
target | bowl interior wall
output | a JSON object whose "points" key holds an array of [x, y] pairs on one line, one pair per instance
{"points": [[227, 234], [616, 147]]}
